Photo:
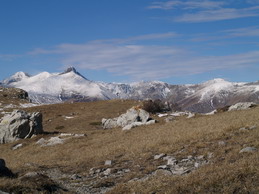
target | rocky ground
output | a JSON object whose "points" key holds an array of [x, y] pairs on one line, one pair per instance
{"points": [[178, 154]]}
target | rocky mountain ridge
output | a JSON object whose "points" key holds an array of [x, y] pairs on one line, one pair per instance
{"points": [[72, 86]]}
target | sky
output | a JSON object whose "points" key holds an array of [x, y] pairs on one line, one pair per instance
{"points": [[178, 41]]}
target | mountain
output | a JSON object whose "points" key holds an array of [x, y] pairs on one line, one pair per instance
{"points": [[70, 85]]}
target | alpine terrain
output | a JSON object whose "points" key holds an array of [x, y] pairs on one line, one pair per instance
{"points": [[70, 85]]}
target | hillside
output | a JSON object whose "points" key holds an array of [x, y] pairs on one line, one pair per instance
{"points": [[117, 161]]}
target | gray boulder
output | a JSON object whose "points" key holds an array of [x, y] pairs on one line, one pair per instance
{"points": [[132, 118], [20, 125], [109, 123], [241, 106], [133, 115]]}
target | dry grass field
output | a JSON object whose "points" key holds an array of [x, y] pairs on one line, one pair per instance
{"points": [[227, 170]]}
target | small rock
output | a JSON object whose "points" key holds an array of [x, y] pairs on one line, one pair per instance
{"points": [[126, 170], [30, 175], [196, 165], [200, 157], [248, 149], [169, 158], [17, 146], [108, 163], [163, 167], [162, 172], [243, 129], [107, 172], [222, 143], [75, 177], [252, 127], [169, 119], [210, 155], [171, 161], [150, 122], [180, 171], [159, 156]]}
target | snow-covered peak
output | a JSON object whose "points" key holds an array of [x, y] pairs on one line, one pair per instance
{"points": [[16, 77], [21, 75]]}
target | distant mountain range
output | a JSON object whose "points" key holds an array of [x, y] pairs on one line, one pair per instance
{"points": [[72, 86]]}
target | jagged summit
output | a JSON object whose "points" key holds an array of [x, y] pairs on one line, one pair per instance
{"points": [[72, 69]]}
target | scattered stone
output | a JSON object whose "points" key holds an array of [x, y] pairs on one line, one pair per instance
{"points": [[222, 143], [75, 177], [248, 149], [242, 106], [180, 170], [162, 115], [169, 119], [52, 141], [163, 167], [243, 129], [107, 172], [17, 146], [210, 155], [171, 161], [20, 125], [190, 115], [159, 156], [30, 175], [108, 163], [162, 172], [252, 127], [201, 157]]}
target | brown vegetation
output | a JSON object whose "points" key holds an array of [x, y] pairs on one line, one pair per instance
{"points": [[228, 171]]}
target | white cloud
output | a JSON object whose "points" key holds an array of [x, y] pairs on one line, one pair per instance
{"points": [[219, 14], [186, 4], [206, 10]]}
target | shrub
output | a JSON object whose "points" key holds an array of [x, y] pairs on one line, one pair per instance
{"points": [[153, 106]]}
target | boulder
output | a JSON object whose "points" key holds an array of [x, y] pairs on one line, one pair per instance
{"points": [[109, 123], [20, 125], [241, 106], [132, 118]]}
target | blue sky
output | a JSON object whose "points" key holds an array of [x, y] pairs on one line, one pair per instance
{"points": [[178, 41]]}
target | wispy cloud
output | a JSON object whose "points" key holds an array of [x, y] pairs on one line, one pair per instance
{"points": [[144, 62], [251, 31], [219, 14], [206, 10], [186, 5]]}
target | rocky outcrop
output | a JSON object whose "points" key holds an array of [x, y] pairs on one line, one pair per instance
{"points": [[20, 125], [242, 106], [132, 118]]}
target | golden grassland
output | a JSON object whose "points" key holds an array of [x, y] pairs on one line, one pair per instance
{"points": [[227, 172]]}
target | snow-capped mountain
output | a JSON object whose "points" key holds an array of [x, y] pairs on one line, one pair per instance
{"points": [[72, 86]]}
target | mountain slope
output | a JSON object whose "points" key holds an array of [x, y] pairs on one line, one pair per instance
{"points": [[72, 86]]}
